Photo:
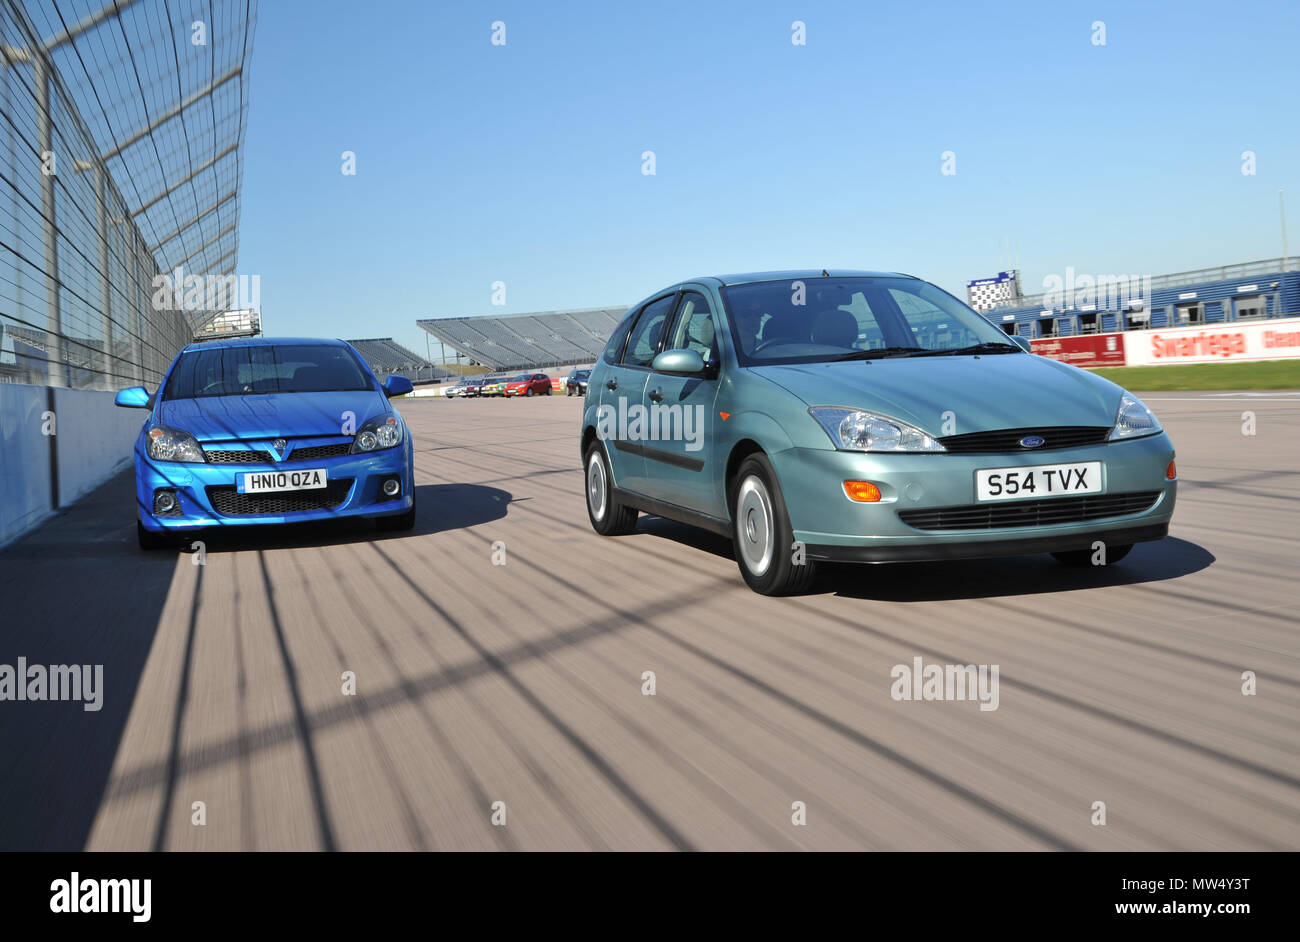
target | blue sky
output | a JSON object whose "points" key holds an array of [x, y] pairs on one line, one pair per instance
{"points": [[522, 163]]}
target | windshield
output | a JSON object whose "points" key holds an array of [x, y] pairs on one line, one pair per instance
{"points": [[250, 370], [522, 379], [820, 319]]}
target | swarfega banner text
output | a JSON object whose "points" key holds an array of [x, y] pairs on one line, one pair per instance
{"points": [[1215, 343]]}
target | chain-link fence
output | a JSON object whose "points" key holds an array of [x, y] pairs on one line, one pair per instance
{"points": [[121, 131]]}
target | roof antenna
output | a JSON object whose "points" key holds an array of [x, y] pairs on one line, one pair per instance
{"points": [[825, 273]]}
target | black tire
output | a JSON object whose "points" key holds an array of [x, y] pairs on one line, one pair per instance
{"points": [[609, 517], [1083, 557], [149, 540], [761, 532], [530, 391], [398, 522]]}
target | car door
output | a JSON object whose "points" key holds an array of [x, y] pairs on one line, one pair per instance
{"points": [[681, 413], [622, 389]]}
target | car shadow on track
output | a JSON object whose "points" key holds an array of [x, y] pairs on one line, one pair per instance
{"points": [[439, 508], [1170, 558]]}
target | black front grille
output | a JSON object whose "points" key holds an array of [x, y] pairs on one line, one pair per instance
{"points": [[1029, 513], [1008, 439], [229, 502], [262, 456], [314, 452], [247, 456]]}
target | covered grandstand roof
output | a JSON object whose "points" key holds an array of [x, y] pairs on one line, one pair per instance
{"points": [[546, 338]]}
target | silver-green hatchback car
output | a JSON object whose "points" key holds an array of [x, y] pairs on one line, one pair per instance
{"points": [[865, 417]]}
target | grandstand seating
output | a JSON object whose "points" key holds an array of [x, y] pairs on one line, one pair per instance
{"points": [[528, 341], [388, 358]]}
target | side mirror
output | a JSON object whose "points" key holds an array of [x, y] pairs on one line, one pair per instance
{"points": [[1022, 342], [135, 397], [686, 362], [397, 386]]}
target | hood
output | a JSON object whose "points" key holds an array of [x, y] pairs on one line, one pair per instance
{"points": [[985, 393], [277, 415]]}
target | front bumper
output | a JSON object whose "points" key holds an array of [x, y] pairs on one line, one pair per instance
{"points": [[197, 507], [831, 526]]}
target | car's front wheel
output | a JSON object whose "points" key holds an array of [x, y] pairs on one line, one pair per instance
{"points": [[150, 540], [1086, 557], [769, 561], [398, 522], [609, 516]]}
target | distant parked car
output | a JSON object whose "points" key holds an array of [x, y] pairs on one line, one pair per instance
{"points": [[456, 389], [529, 384], [473, 387], [576, 384], [494, 386]]}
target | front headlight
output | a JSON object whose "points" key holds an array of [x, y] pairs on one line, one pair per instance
{"points": [[1133, 419], [171, 444], [383, 431], [859, 430]]}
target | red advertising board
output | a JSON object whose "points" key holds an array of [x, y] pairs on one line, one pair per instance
{"points": [[1086, 350]]}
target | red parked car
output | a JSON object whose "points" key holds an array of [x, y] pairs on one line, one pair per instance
{"points": [[529, 384]]}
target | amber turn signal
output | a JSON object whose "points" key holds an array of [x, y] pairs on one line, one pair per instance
{"points": [[862, 491], [1170, 472]]}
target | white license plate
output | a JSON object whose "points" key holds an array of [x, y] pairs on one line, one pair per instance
{"points": [[1038, 481], [257, 482]]}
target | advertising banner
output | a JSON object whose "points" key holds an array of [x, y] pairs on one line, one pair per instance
{"points": [[1087, 350], [1215, 343]]}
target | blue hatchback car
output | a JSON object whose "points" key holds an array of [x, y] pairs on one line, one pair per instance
{"points": [[261, 431]]}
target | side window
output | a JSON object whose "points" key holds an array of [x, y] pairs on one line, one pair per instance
{"points": [[693, 329], [614, 349], [643, 344]]}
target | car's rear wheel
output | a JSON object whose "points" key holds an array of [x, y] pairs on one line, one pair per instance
{"points": [[150, 540], [608, 515], [1084, 557], [762, 534]]}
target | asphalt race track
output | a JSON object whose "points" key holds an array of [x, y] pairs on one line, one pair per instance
{"points": [[522, 683]]}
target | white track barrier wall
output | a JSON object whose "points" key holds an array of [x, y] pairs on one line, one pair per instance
{"points": [[1231, 342], [92, 441]]}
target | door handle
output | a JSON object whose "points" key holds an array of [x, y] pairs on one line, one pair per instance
{"points": [[612, 384], [656, 395]]}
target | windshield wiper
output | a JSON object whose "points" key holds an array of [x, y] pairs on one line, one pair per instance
{"points": [[879, 353], [987, 347]]}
